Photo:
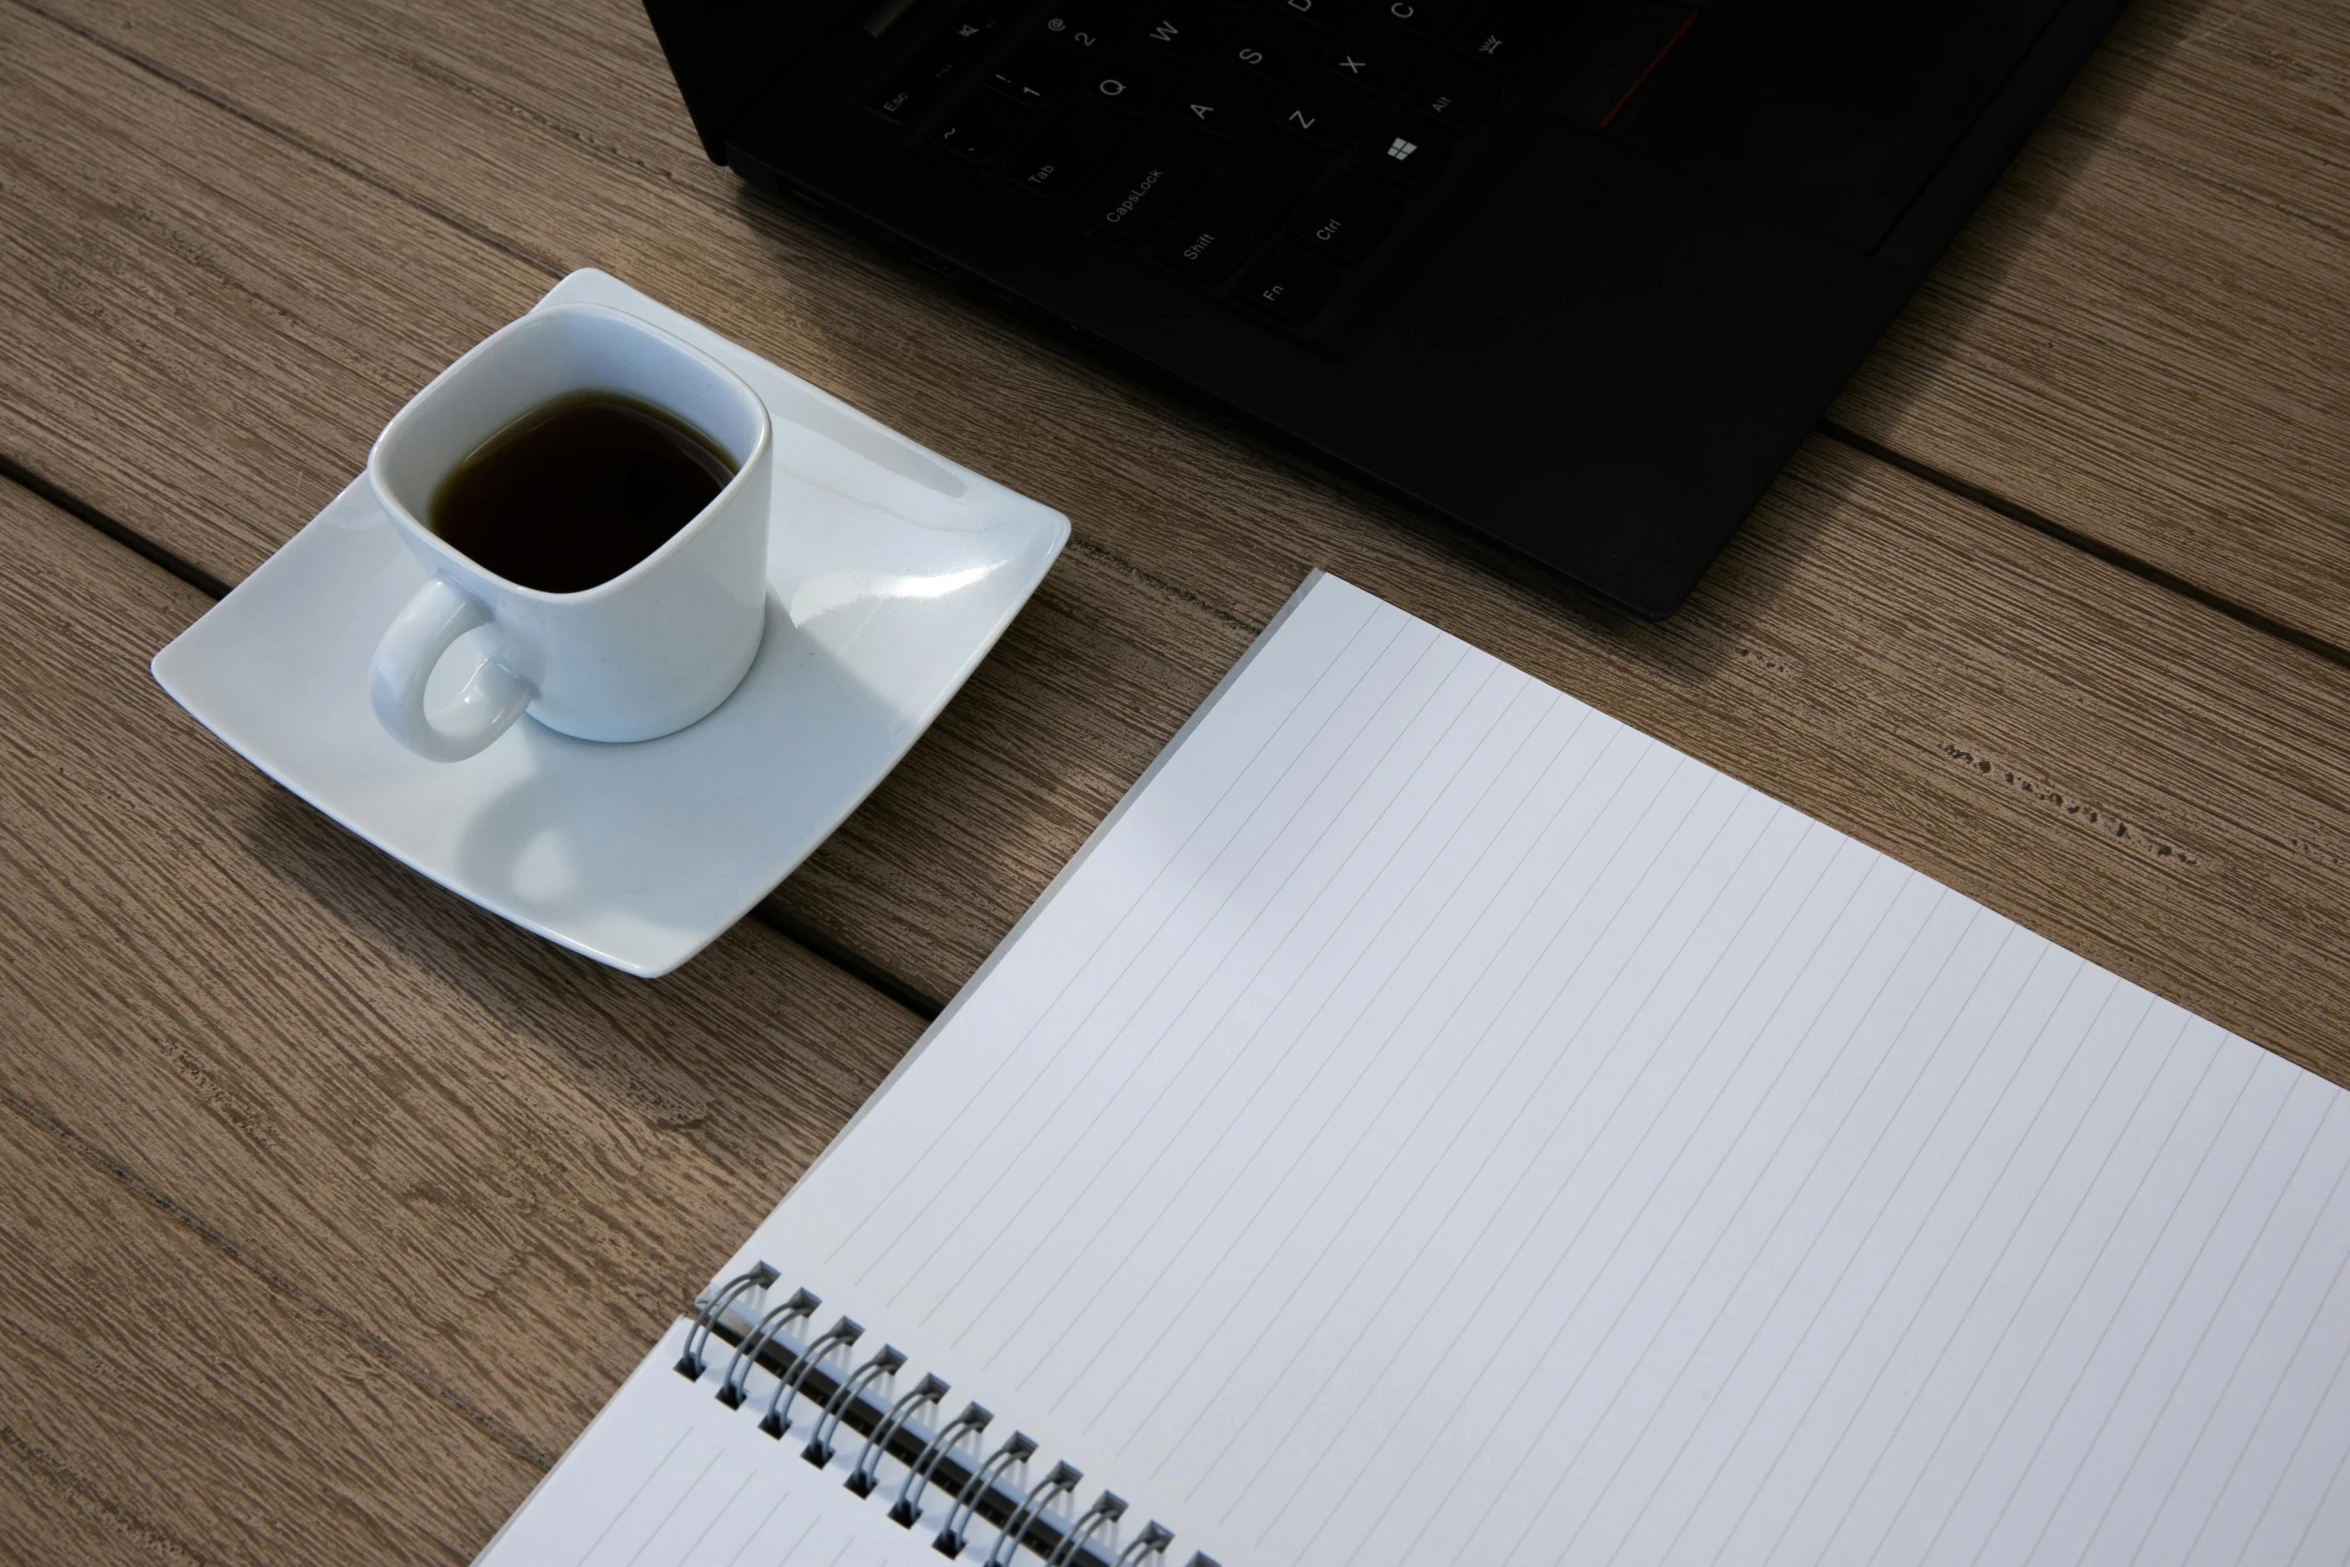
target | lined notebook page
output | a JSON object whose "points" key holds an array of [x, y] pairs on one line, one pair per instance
{"points": [[661, 1479], [1434, 1123]]}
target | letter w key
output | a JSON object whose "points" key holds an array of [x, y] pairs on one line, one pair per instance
{"points": [[1180, 31]]}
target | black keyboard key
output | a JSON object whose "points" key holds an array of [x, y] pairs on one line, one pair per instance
{"points": [[1263, 184], [934, 73], [1144, 186], [1455, 97], [1324, 113], [1206, 247], [980, 129], [974, 27], [1185, 31], [1087, 27], [1058, 163], [1209, 242], [1378, 61], [1422, 18], [1289, 284], [1226, 225], [1509, 36], [899, 103], [1272, 51], [1345, 218], [1135, 83], [1320, 13], [1405, 153], [1033, 74], [1224, 105]]}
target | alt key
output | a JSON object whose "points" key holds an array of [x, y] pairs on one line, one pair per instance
{"points": [[1288, 285]]}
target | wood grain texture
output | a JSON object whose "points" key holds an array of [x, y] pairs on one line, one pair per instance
{"points": [[502, 1165], [47, 1515], [2142, 335], [2145, 333], [161, 1402], [1867, 650], [409, 1191], [202, 328]]}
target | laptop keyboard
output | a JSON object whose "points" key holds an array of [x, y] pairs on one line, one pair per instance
{"points": [[1266, 151]]}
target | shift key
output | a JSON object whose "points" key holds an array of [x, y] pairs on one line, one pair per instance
{"points": [[1144, 186], [1233, 218]]}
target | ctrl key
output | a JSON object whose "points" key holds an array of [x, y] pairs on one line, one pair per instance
{"points": [[1288, 285]]}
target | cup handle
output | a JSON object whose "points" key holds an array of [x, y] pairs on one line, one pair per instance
{"points": [[494, 696]]}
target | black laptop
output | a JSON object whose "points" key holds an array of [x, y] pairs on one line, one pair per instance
{"points": [[1574, 276]]}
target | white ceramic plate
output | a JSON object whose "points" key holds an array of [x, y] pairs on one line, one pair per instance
{"points": [[893, 571]]}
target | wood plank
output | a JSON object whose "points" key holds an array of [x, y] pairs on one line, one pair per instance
{"points": [[2141, 335], [108, 292], [2084, 694], [162, 1402], [1866, 651], [46, 1517], [133, 254], [505, 1165]]}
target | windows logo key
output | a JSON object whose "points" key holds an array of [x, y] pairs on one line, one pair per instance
{"points": [[1401, 150]]}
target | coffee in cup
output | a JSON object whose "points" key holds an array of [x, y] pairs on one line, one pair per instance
{"points": [[592, 493], [577, 491]]}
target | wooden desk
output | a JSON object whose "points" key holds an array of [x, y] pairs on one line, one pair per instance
{"points": [[333, 1208]]}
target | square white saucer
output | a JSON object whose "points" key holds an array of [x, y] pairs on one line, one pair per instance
{"points": [[892, 572]]}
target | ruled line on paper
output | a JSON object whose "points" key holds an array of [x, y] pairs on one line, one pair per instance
{"points": [[1277, 823], [1365, 625], [666, 1476], [1434, 1112]]}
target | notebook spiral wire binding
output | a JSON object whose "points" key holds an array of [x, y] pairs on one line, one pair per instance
{"points": [[778, 1417], [1017, 1448], [819, 1448], [855, 1399], [1107, 1508], [908, 1510], [1153, 1541], [1061, 1482], [746, 1354], [689, 1364], [866, 1470]]}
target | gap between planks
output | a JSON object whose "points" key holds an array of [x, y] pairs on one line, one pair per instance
{"points": [[290, 137], [2121, 560], [858, 967], [2010, 511], [1999, 506]]}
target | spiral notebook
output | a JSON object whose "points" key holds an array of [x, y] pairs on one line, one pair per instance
{"points": [[1431, 1122]]}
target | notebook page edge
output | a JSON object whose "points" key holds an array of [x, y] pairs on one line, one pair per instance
{"points": [[1982, 949], [1035, 910], [946, 1016], [610, 1500]]}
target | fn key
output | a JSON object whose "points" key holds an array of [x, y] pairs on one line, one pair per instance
{"points": [[1288, 285]]}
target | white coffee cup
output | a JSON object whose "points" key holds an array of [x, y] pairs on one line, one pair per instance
{"points": [[641, 655]]}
